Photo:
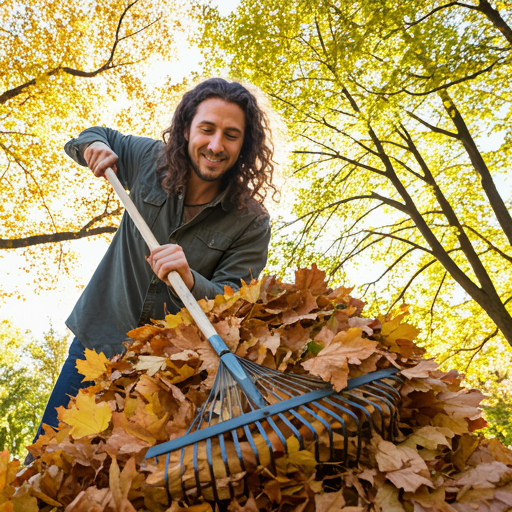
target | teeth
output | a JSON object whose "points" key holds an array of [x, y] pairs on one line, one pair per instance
{"points": [[212, 160]]}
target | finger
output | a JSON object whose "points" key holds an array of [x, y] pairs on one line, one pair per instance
{"points": [[105, 163]]}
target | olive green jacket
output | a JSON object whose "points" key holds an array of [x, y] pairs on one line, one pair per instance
{"points": [[222, 246]]}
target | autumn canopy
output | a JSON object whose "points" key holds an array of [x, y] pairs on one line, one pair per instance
{"points": [[95, 461]]}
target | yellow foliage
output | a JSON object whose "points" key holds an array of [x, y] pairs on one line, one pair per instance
{"points": [[65, 67], [86, 416], [93, 366]]}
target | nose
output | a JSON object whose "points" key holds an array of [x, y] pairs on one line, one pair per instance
{"points": [[215, 145]]}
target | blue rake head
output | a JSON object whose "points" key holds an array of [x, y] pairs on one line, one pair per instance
{"points": [[233, 436]]}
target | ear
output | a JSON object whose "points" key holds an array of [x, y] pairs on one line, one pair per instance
{"points": [[186, 134]]}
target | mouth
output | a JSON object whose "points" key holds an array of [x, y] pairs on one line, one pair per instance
{"points": [[213, 160]]}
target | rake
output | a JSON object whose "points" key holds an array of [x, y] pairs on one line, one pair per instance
{"points": [[255, 415]]}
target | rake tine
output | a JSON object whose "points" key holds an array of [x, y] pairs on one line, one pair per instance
{"points": [[381, 393], [325, 424], [269, 444], [250, 439], [278, 432], [310, 427], [387, 399], [376, 405], [356, 419], [183, 489], [224, 456], [343, 427], [210, 464], [196, 470], [391, 389], [292, 427], [353, 396]]}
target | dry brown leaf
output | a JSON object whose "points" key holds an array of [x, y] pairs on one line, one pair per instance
{"points": [[331, 363], [330, 502]]}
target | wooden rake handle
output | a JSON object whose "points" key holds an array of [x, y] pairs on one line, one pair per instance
{"points": [[174, 278]]}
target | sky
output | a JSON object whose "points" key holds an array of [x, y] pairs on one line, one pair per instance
{"points": [[36, 312]]}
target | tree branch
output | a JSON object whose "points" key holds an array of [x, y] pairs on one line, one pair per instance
{"points": [[341, 157], [432, 127], [434, 301], [54, 237], [415, 275], [490, 244], [388, 269], [12, 93], [435, 89]]}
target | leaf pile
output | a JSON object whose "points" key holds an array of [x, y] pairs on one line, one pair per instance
{"points": [[95, 461]]}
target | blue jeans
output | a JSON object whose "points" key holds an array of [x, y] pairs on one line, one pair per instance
{"points": [[68, 384]]}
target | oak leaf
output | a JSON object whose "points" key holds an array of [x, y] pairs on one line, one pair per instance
{"points": [[421, 370], [332, 362], [311, 279], [403, 466], [151, 364]]}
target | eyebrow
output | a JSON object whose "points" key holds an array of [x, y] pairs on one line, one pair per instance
{"points": [[230, 128]]}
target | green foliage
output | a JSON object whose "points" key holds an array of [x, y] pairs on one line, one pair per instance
{"points": [[28, 371], [399, 118]]}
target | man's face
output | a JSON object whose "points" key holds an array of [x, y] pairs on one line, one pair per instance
{"points": [[215, 138]]}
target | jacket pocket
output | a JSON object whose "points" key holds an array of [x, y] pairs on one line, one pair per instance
{"points": [[149, 205], [206, 250]]}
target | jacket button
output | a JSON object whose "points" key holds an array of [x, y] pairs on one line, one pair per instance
{"points": [[211, 243]]}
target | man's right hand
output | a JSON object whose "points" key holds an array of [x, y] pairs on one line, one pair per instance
{"points": [[99, 157]]}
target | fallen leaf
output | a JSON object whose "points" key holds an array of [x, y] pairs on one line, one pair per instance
{"points": [[387, 500], [330, 502], [151, 364], [331, 363], [93, 366], [421, 370], [85, 416]]}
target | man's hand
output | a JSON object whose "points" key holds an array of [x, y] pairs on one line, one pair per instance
{"points": [[170, 257], [99, 157]]}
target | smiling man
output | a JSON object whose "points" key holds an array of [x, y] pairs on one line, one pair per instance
{"points": [[201, 192]]}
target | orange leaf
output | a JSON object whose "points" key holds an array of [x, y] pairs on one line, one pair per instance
{"points": [[120, 484]]}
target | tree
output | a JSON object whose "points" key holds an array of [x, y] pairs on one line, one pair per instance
{"points": [[28, 372], [390, 104], [61, 67]]}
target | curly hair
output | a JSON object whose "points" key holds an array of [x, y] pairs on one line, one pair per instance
{"points": [[251, 175]]}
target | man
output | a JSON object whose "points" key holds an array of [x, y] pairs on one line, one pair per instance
{"points": [[201, 193]]}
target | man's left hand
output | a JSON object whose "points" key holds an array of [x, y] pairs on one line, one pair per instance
{"points": [[166, 258]]}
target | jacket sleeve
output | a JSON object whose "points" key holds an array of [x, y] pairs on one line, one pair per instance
{"points": [[245, 259], [131, 150]]}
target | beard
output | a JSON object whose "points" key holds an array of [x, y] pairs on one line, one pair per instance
{"points": [[207, 176]]}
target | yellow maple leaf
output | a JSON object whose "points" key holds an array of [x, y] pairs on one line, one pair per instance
{"points": [[93, 366], [172, 321], [85, 416]]}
